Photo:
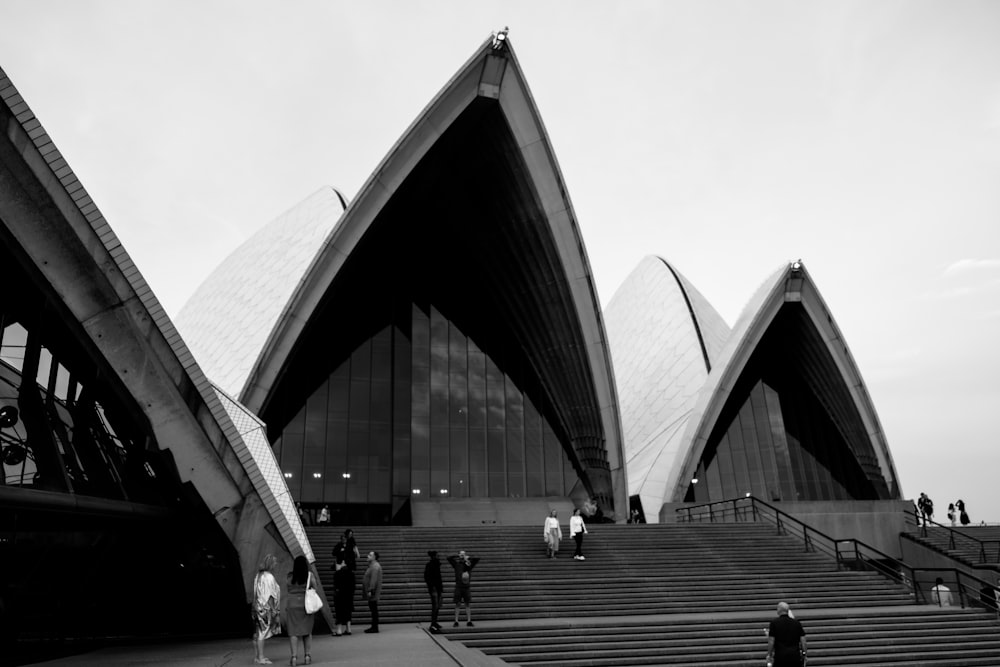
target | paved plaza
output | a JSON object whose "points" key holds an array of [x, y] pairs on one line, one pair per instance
{"points": [[401, 645]]}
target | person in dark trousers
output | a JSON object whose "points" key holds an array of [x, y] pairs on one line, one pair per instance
{"points": [[435, 587], [786, 640], [343, 598], [926, 507], [463, 564], [371, 587]]}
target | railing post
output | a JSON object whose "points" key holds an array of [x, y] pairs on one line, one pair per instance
{"points": [[736, 512], [753, 506], [982, 552], [951, 538], [711, 514], [781, 530]]}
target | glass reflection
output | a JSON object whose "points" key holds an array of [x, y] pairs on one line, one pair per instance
{"points": [[419, 410]]}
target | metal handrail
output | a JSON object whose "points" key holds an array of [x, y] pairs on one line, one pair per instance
{"points": [[913, 579], [982, 544]]}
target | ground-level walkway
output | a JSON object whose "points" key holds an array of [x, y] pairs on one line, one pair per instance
{"points": [[394, 646]]}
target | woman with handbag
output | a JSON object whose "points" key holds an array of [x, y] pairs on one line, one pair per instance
{"points": [[266, 603], [299, 620]]}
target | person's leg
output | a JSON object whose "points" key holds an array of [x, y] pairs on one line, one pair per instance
{"points": [[458, 605], [373, 607], [307, 642], [468, 612], [578, 538], [293, 645], [435, 607]]}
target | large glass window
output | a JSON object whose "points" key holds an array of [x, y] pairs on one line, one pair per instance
{"points": [[419, 410]]}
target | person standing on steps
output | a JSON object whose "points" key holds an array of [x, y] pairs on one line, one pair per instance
{"points": [[435, 587], [577, 529], [552, 533], [786, 640], [926, 507], [963, 517], [371, 587], [347, 550], [343, 598], [463, 564], [324, 516]]}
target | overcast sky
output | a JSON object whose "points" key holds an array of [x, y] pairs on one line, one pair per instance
{"points": [[726, 137]]}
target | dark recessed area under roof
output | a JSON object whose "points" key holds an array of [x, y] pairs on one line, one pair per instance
{"points": [[466, 229]]}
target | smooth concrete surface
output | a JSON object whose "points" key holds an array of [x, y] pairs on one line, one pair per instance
{"points": [[401, 645], [410, 645]]}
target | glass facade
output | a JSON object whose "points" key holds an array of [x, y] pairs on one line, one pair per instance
{"points": [[789, 430], [419, 410], [87, 496], [63, 426]]}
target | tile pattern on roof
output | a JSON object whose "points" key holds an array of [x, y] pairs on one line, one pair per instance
{"points": [[659, 370], [229, 318], [254, 452]]}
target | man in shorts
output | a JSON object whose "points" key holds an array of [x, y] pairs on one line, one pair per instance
{"points": [[463, 564]]}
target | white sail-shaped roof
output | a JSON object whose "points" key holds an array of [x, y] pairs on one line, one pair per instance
{"points": [[664, 337], [229, 317]]}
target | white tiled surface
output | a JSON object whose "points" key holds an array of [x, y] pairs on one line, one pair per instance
{"points": [[659, 370], [257, 458], [228, 319]]}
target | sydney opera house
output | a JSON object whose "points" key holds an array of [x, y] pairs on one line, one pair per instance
{"points": [[436, 339]]}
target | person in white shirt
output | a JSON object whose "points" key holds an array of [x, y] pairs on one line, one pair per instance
{"points": [[941, 594], [577, 529], [552, 532]]}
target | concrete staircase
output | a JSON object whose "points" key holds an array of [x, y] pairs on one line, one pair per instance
{"points": [[975, 546], [900, 636], [667, 594], [642, 569]]}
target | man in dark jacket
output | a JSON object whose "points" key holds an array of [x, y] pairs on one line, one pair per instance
{"points": [[786, 640], [371, 588], [463, 564], [432, 577]]}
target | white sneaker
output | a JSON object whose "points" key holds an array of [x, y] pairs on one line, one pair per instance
{"points": [[583, 558]]}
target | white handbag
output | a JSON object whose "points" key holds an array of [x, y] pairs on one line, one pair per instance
{"points": [[313, 601]]}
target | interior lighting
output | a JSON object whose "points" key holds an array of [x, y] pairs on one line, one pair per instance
{"points": [[8, 416], [748, 494], [694, 480], [288, 475], [346, 475], [444, 491], [317, 475], [416, 492]]}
